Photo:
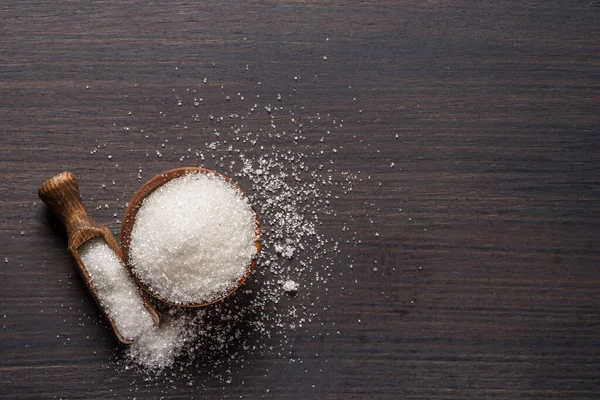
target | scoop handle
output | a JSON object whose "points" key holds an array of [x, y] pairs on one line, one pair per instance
{"points": [[61, 194]]}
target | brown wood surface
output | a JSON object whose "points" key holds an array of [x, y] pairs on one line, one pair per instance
{"points": [[488, 282]]}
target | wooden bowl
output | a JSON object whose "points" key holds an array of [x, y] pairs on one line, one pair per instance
{"points": [[133, 208]]}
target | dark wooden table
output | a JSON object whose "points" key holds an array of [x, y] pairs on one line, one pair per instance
{"points": [[488, 279]]}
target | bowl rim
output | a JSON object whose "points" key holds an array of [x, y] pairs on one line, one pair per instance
{"points": [[137, 201]]}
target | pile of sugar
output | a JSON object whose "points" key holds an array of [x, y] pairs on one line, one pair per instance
{"points": [[193, 238], [157, 348], [118, 294]]}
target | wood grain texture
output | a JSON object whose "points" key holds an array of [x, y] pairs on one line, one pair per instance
{"points": [[488, 282]]}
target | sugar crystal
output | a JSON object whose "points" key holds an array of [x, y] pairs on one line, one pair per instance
{"points": [[193, 238], [290, 286]]}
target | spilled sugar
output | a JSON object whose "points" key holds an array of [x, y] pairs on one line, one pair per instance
{"points": [[216, 337], [193, 239], [158, 347], [290, 286], [281, 153], [117, 293]]}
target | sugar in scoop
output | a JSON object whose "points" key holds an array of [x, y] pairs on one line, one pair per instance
{"points": [[116, 291], [194, 238]]}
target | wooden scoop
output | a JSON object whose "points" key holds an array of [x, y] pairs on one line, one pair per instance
{"points": [[129, 221], [61, 194]]}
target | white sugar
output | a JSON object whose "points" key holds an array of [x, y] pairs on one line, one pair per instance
{"points": [[157, 348], [117, 293], [290, 286], [193, 239]]}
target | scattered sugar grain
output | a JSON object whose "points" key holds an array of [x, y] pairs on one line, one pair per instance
{"points": [[290, 286]]}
